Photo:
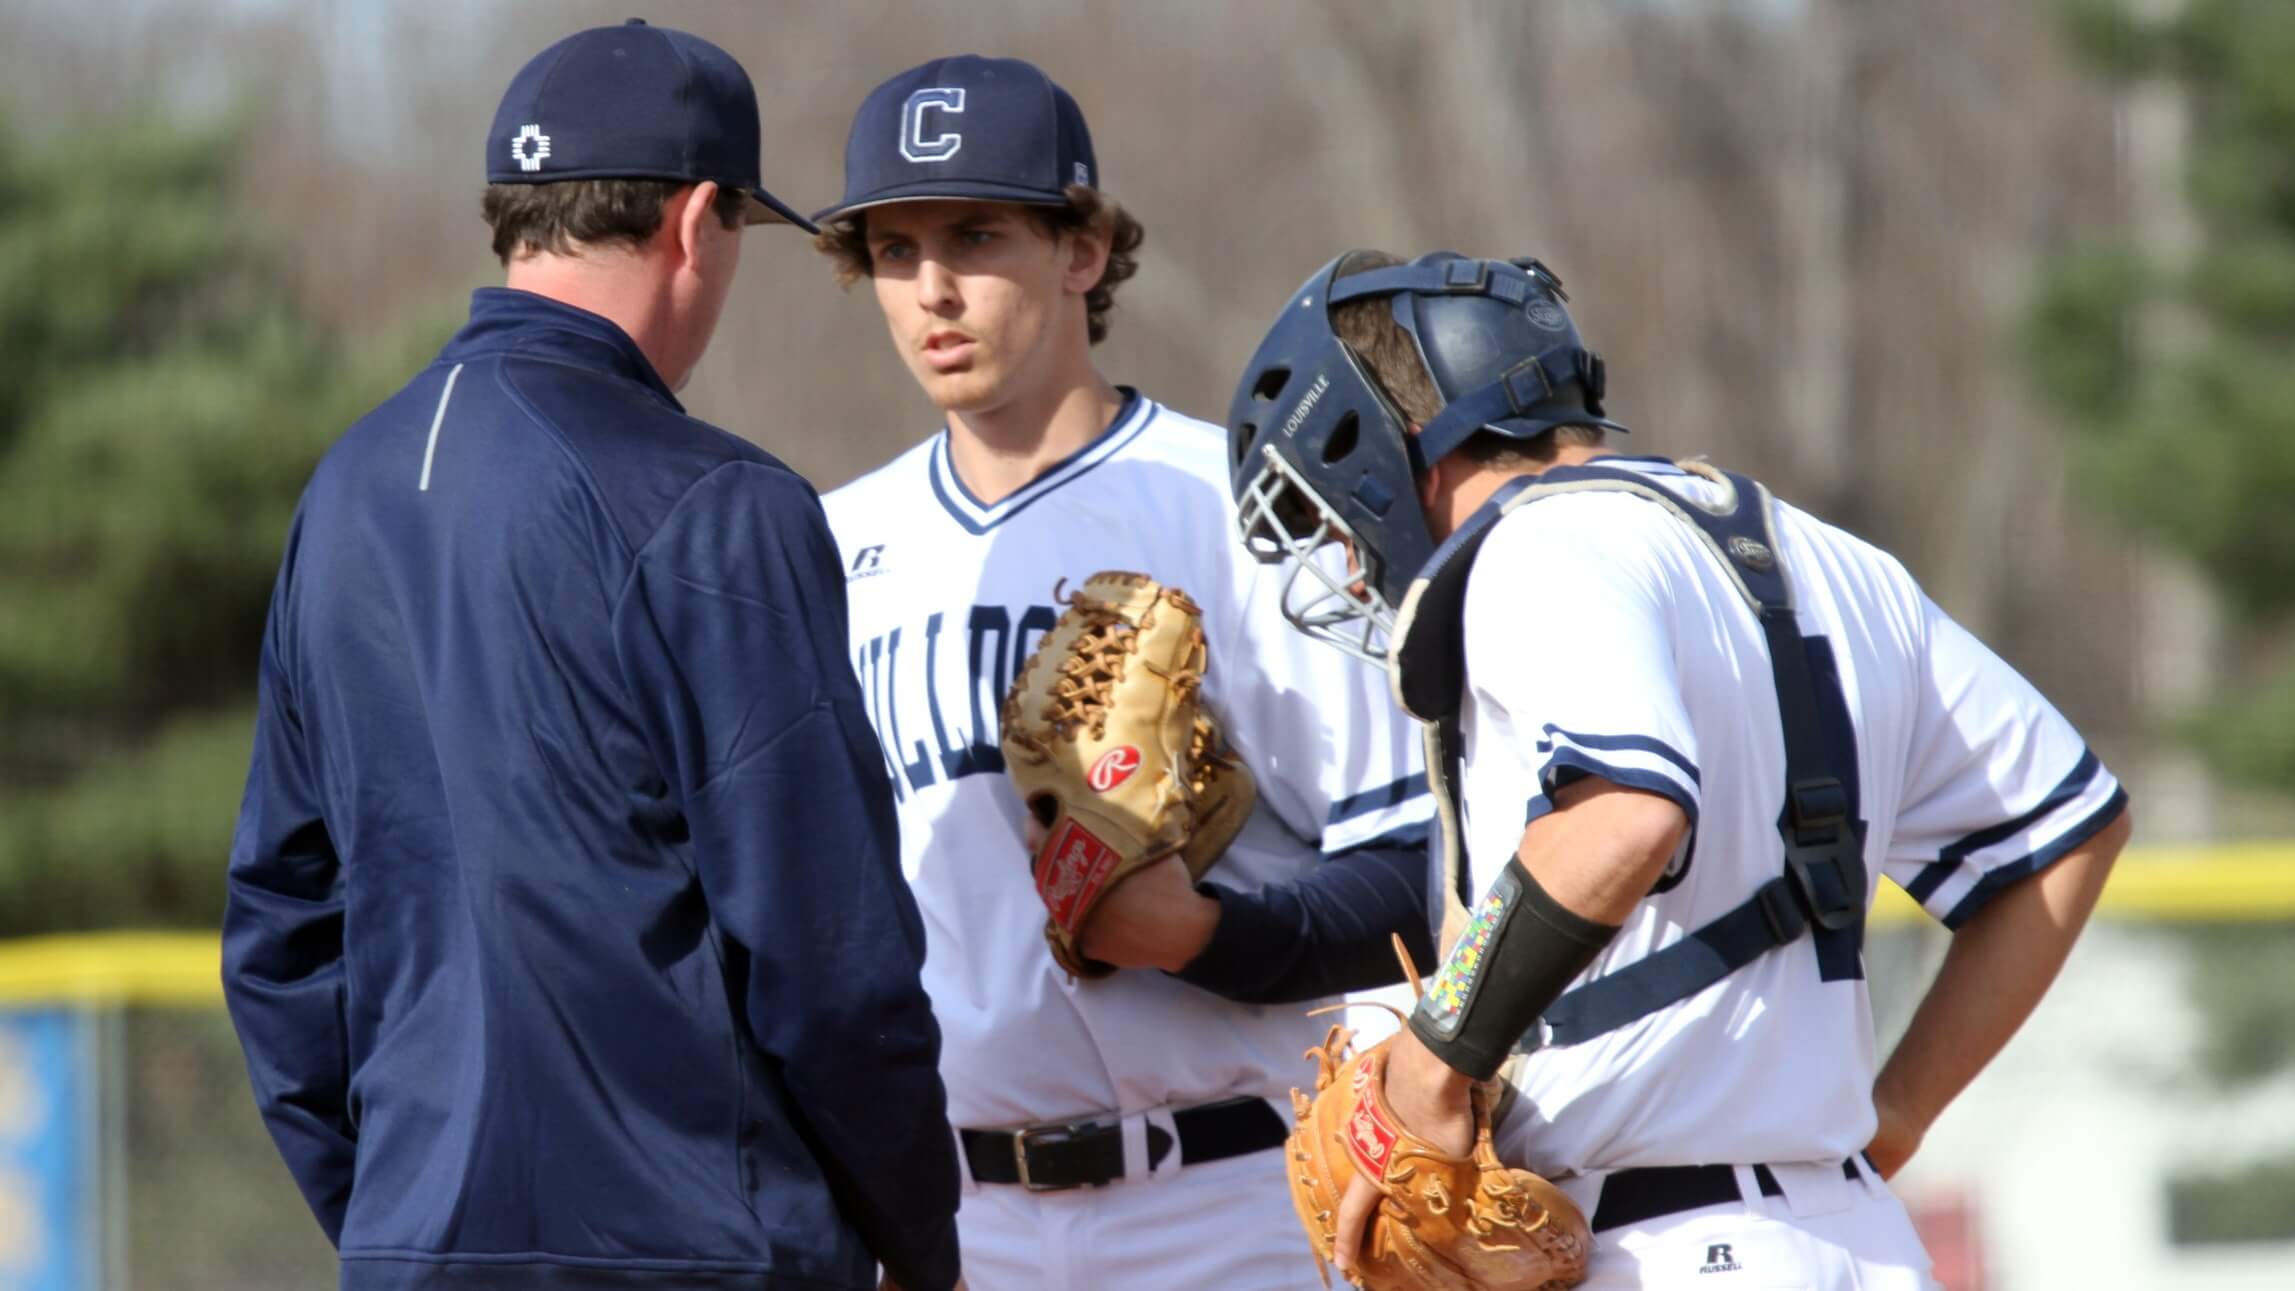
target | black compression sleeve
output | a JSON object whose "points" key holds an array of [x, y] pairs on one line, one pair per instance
{"points": [[1519, 950], [1325, 933]]}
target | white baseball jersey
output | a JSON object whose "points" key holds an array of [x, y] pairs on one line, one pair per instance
{"points": [[1602, 637], [948, 597]]}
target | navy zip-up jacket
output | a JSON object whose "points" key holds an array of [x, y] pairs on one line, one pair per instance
{"points": [[567, 938]]}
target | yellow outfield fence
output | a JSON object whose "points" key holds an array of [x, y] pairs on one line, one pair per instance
{"points": [[2234, 882], [158, 968]]}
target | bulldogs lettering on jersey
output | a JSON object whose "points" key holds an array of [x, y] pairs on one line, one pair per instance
{"points": [[950, 691]]}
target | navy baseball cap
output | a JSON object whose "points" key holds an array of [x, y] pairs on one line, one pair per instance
{"points": [[633, 102], [989, 129]]}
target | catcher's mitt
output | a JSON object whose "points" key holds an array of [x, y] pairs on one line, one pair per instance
{"points": [[1106, 741], [1447, 1223]]}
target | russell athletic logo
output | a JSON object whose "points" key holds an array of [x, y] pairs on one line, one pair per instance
{"points": [[1718, 1259], [1113, 768]]}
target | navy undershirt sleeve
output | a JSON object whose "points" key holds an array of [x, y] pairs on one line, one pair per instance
{"points": [[1324, 934]]}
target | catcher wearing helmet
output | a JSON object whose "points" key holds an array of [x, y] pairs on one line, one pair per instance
{"points": [[1676, 725]]}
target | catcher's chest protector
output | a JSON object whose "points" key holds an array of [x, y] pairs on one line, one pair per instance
{"points": [[1823, 884]]}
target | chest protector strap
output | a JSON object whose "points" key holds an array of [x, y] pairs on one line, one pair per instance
{"points": [[1823, 883]]}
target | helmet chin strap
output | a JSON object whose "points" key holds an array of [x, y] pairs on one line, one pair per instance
{"points": [[1518, 392]]}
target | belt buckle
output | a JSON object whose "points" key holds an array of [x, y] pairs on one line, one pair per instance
{"points": [[1022, 1139]]}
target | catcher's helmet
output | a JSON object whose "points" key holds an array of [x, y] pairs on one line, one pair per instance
{"points": [[1320, 455]]}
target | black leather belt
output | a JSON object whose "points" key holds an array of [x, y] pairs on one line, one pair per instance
{"points": [[1631, 1196], [1087, 1154]]}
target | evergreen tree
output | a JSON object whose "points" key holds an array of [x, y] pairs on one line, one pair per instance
{"points": [[2183, 379], [161, 405]]}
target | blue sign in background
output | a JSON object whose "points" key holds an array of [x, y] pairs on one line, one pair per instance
{"points": [[47, 1174]]}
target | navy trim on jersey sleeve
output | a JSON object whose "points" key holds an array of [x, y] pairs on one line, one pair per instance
{"points": [[1636, 743], [1950, 859], [1392, 794], [2001, 878], [1328, 931], [1570, 765]]}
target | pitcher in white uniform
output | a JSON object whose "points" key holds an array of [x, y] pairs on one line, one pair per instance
{"points": [[1677, 729], [1117, 1132]]}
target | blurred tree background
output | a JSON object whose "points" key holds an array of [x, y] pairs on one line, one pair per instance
{"points": [[161, 403], [2168, 351], [1791, 239], [2173, 362], [163, 396]]}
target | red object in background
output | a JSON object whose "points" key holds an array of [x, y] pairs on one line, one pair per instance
{"points": [[1948, 1227]]}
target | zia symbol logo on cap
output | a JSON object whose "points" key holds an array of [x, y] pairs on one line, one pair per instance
{"points": [[530, 146], [633, 102]]}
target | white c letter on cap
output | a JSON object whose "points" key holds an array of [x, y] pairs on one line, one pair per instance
{"points": [[940, 147]]}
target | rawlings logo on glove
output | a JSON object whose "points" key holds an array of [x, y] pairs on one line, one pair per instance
{"points": [[1114, 767], [1447, 1222], [1106, 740]]}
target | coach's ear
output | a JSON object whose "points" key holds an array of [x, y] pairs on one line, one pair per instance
{"points": [[686, 217]]}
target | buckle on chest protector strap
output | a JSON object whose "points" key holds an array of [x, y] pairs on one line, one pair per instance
{"points": [[1822, 854]]}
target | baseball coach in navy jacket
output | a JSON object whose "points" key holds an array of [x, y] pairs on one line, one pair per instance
{"points": [[567, 939]]}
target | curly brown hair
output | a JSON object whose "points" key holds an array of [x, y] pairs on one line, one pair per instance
{"points": [[845, 241]]}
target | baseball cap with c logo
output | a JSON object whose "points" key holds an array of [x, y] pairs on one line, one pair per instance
{"points": [[987, 129]]}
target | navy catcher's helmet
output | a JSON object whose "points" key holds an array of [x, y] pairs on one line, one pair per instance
{"points": [[1321, 456]]}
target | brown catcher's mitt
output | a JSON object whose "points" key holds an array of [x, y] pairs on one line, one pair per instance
{"points": [[1105, 739], [1447, 1223]]}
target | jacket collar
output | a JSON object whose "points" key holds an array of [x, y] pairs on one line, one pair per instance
{"points": [[502, 319]]}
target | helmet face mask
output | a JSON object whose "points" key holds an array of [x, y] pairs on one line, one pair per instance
{"points": [[1283, 519], [1322, 459]]}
